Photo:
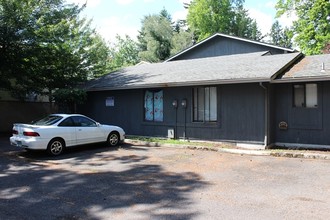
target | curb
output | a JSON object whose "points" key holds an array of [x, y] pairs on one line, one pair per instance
{"points": [[306, 155], [273, 153]]}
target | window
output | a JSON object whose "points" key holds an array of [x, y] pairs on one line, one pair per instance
{"points": [[49, 120], [305, 95], [153, 105], [205, 104], [67, 123], [83, 122]]}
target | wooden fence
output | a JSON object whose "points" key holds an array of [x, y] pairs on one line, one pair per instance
{"points": [[22, 112]]}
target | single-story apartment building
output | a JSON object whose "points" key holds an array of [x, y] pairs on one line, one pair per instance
{"points": [[223, 89], [300, 103]]}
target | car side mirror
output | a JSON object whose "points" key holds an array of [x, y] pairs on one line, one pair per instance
{"points": [[98, 124]]}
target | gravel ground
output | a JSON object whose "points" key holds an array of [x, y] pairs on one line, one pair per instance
{"points": [[139, 182]]}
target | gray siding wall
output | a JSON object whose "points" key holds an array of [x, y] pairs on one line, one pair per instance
{"points": [[219, 46], [305, 125], [240, 113]]}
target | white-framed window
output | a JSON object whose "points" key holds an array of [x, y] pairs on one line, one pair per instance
{"points": [[305, 95], [205, 104]]}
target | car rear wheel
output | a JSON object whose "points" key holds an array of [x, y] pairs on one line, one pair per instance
{"points": [[113, 139], [55, 147]]}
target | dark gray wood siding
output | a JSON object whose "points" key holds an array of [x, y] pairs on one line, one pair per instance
{"points": [[220, 46], [305, 125], [127, 109], [241, 113]]}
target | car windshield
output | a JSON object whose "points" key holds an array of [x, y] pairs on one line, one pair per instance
{"points": [[49, 120]]}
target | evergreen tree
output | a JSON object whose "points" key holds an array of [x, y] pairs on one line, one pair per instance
{"points": [[281, 37], [160, 37]]}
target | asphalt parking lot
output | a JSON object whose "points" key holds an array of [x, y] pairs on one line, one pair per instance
{"points": [[139, 182]]}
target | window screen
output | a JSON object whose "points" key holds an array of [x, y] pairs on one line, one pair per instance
{"points": [[205, 104]]}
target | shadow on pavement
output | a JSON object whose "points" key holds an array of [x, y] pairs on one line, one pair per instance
{"points": [[32, 190]]}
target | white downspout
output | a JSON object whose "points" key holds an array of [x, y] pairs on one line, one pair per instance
{"points": [[266, 114]]}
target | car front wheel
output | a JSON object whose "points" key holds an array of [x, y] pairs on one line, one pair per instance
{"points": [[113, 139], [55, 147]]}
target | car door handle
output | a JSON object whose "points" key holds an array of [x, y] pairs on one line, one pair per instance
{"points": [[79, 129]]}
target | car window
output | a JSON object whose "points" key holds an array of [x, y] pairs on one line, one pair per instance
{"points": [[49, 120], [83, 122], [67, 123]]}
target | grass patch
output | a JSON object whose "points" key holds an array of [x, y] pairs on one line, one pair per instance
{"points": [[158, 140], [176, 141]]}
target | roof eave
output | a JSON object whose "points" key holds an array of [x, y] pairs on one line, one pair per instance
{"points": [[183, 84], [301, 79]]}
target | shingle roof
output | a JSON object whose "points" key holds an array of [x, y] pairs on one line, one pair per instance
{"points": [[309, 68], [253, 67], [231, 37]]}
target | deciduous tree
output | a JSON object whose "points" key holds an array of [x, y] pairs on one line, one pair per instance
{"points": [[124, 52], [312, 28], [206, 17], [45, 45], [181, 40]]}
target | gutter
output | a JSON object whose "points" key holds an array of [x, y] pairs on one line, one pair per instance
{"points": [[301, 79], [181, 84]]}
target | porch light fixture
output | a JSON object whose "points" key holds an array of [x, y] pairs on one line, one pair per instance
{"points": [[175, 103], [184, 103]]}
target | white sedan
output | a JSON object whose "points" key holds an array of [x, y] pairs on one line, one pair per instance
{"points": [[57, 131]]}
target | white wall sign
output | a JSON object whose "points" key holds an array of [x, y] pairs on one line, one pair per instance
{"points": [[110, 101]]}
